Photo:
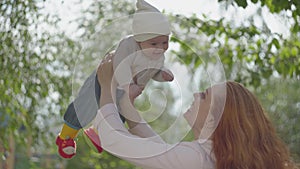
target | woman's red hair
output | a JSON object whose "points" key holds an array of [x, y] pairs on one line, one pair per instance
{"points": [[245, 138]]}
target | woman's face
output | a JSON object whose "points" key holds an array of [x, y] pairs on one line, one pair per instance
{"points": [[155, 47], [198, 111]]}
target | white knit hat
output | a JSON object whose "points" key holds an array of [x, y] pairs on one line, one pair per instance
{"points": [[149, 22]]}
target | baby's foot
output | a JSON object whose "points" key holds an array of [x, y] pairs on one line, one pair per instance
{"points": [[94, 138]]}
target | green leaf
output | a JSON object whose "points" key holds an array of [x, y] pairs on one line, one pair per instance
{"points": [[276, 43], [294, 51], [242, 3]]}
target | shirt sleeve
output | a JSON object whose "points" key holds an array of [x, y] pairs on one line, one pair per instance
{"points": [[143, 130], [144, 152]]}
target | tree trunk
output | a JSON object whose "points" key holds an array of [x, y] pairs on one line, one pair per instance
{"points": [[10, 160]]}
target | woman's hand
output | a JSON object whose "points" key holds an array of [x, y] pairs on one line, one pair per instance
{"points": [[105, 71], [106, 81]]}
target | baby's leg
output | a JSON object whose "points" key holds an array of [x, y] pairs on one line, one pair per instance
{"points": [[79, 114], [86, 103], [83, 109]]}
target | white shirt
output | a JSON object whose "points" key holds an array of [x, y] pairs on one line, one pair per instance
{"points": [[150, 152]]}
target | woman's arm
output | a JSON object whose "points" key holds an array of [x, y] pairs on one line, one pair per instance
{"points": [[144, 152], [135, 122], [113, 135], [108, 85], [137, 125]]}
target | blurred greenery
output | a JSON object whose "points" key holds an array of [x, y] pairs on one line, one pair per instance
{"points": [[42, 68]]}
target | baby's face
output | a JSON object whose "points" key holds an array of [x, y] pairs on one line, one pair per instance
{"points": [[155, 47]]}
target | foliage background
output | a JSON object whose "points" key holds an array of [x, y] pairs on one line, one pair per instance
{"points": [[42, 67]]}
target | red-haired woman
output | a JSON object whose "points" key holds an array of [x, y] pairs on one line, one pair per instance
{"points": [[231, 131]]}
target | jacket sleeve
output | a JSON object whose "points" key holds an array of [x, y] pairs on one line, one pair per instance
{"points": [[158, 76], [122, 63]]}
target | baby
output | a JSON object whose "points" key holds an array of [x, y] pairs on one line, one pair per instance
{"points": [[137, 59]]}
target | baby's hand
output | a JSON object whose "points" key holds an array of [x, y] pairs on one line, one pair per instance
{"points": [[167, 75], [134, 91]]}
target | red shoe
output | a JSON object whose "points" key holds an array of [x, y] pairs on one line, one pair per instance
{"points": [[66, 148], [94, 138]]}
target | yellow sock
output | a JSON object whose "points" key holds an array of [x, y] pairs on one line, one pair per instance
{"points": [[68, 132]]}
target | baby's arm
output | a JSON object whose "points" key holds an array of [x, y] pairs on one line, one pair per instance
{"points": [[122, 62], [164, 75]]}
